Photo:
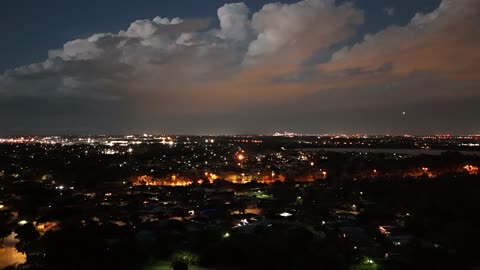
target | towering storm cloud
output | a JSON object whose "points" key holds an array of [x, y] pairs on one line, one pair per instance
{"points": [[292, 66]]}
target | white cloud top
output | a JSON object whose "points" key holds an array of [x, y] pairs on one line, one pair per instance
{"points": [[257, 57]]}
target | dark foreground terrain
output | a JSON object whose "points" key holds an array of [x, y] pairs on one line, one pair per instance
{"points": [[239, 203]]}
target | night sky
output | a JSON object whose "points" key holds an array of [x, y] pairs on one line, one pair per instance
{"points": [[224, 67]]}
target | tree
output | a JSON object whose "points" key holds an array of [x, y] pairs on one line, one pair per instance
{"points": [[5, 228], [27, 235], [240, 206]]}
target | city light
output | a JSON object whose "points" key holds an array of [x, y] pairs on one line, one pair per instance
{"points": [[271, 135], [472, 170], [22, 222]]}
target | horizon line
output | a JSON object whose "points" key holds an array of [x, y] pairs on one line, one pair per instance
{"points": [[276, 134]]}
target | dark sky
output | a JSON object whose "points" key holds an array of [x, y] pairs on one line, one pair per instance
{"points": [[189, 66]]}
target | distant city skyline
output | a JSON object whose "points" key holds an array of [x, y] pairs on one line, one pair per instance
{"points": [[254, 67]]}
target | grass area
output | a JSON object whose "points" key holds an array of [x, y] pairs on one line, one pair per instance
{"points": [[166, 265]]}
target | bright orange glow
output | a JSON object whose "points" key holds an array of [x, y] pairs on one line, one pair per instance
{"points": [[10, 256], [472, 170], [43, 227], [240, 157], [238, 178], [174, 181]]}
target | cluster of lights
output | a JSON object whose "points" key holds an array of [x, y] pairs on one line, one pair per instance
{"points": [[22, 222], [471, 169], [242, 222]]}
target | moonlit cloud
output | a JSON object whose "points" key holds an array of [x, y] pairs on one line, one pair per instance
{"points": [[234, 22], [178, 57], [186, 69], [303, 27], [444, 41]]}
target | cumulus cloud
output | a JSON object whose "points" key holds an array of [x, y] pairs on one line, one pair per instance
{"points": [[303, 27], [234, 21], [80, 49], [176, 57], [444, 42], [178, 67]]}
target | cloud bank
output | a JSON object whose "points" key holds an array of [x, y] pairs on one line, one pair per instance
{"points": [[189, 69]]}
